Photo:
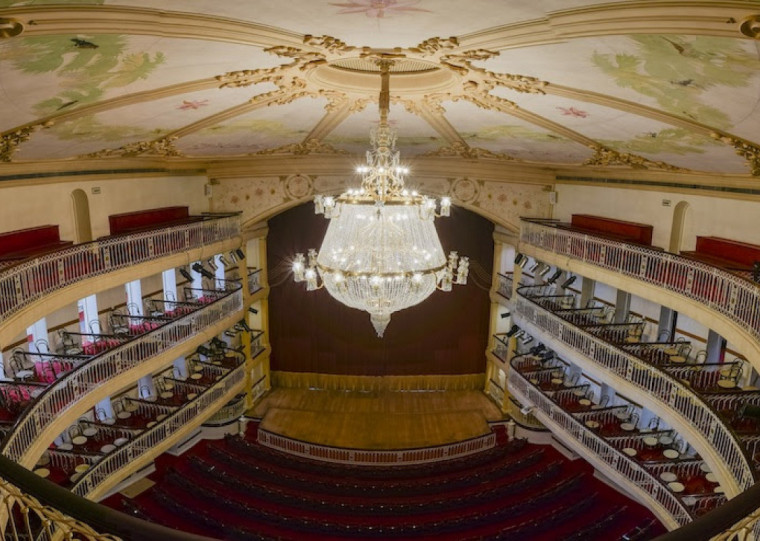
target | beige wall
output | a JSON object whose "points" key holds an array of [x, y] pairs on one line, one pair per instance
{"points": [[50, 203], [729, 218]]}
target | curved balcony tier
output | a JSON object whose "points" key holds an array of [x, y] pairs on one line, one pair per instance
{"points": [[606, 458], [718, 299], [674, 400], [64, 276], [141, 450], [110, 371]]}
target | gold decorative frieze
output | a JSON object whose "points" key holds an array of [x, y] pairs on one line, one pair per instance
{"points": [[434, 45], [310, 146], [745, 149], [163, 147], [462, 150], [9, 141], [607, 157]]}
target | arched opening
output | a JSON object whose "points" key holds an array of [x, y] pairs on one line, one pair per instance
{"points": [[82, 227], [677, 229]]}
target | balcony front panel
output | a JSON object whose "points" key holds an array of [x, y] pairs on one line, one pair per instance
{"points": [[599, 452], [26, 283], [667, 391], [724, 292], [69, 389], [157, 438]]}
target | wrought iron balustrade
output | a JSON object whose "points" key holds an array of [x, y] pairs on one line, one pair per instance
{"points": [[66, 391], [672, 393], [28, 281], [598, 448], [725, 292]]}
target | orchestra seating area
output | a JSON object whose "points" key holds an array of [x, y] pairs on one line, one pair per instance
{"points": [[237, 489]]}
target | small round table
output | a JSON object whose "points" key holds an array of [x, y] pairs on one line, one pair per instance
{"points": [[650, 441], [81, 468], [727, 384], [668, 476], [671, 454], [42, 472], [592, 424], [192, 396], [628, 427], [75, 477], [89, 432], [584, 402], [630, 451], [678, 359], [711, 477], [168, 386], [534, 381], [151, 424], [578, 392], [666, 440], [120, 441], [197, 368], [556, 381], [704, 467], [623, 415], [79, 440], [44, 459], [161, 417], [196, 376], [107, 448], [675, 486], [65, 447], [124, 415], [167, 394], [718, 490]]}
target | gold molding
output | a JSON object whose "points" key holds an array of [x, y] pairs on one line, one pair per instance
{"points": [[9, 141], [745, 149], [606, 157]]}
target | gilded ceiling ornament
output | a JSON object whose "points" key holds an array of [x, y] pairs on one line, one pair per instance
{"points": [[519, 83], [11, 140], [745, 149], [433, 45], [241, 78], [607, 157], [335, 100], [484, 100], [328, 43], [462, 150], [157, 147], [310, 146]]}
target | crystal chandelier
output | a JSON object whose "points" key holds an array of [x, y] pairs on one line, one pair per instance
{"points": [[381, 252]]}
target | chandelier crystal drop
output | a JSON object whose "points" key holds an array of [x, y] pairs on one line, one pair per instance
{"points": [[381, 252]]}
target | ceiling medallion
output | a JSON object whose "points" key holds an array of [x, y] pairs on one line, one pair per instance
{"points": [[381, 252]]}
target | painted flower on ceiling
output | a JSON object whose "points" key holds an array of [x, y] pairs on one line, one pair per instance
{"points": [[572, 111], [192, 104], [379, 9]]}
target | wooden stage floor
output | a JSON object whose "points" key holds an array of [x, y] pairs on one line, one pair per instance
{"points": [[376, 420]]}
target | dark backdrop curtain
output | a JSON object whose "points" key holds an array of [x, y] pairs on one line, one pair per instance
{"points": [[312, 332]]}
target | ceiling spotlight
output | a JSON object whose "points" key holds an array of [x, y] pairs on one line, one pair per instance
{"points": [[186, 275], [505, 314], [554, 277], [512, 331], [568, 282]]}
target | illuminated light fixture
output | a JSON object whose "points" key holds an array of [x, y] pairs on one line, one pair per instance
{"points": [[381, 252]]}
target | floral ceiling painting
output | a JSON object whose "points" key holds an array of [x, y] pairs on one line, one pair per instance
{"points": [[541, 84]]}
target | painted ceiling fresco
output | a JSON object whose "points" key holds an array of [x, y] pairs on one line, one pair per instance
{"points": [[549, 82]]}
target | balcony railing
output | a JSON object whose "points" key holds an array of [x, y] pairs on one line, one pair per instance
{"points": [[133, 449], [379, 457], [28, 281], [70, 388], [659, 385], [253, 280], [505, 285], [600, 449], [722, 291]]}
